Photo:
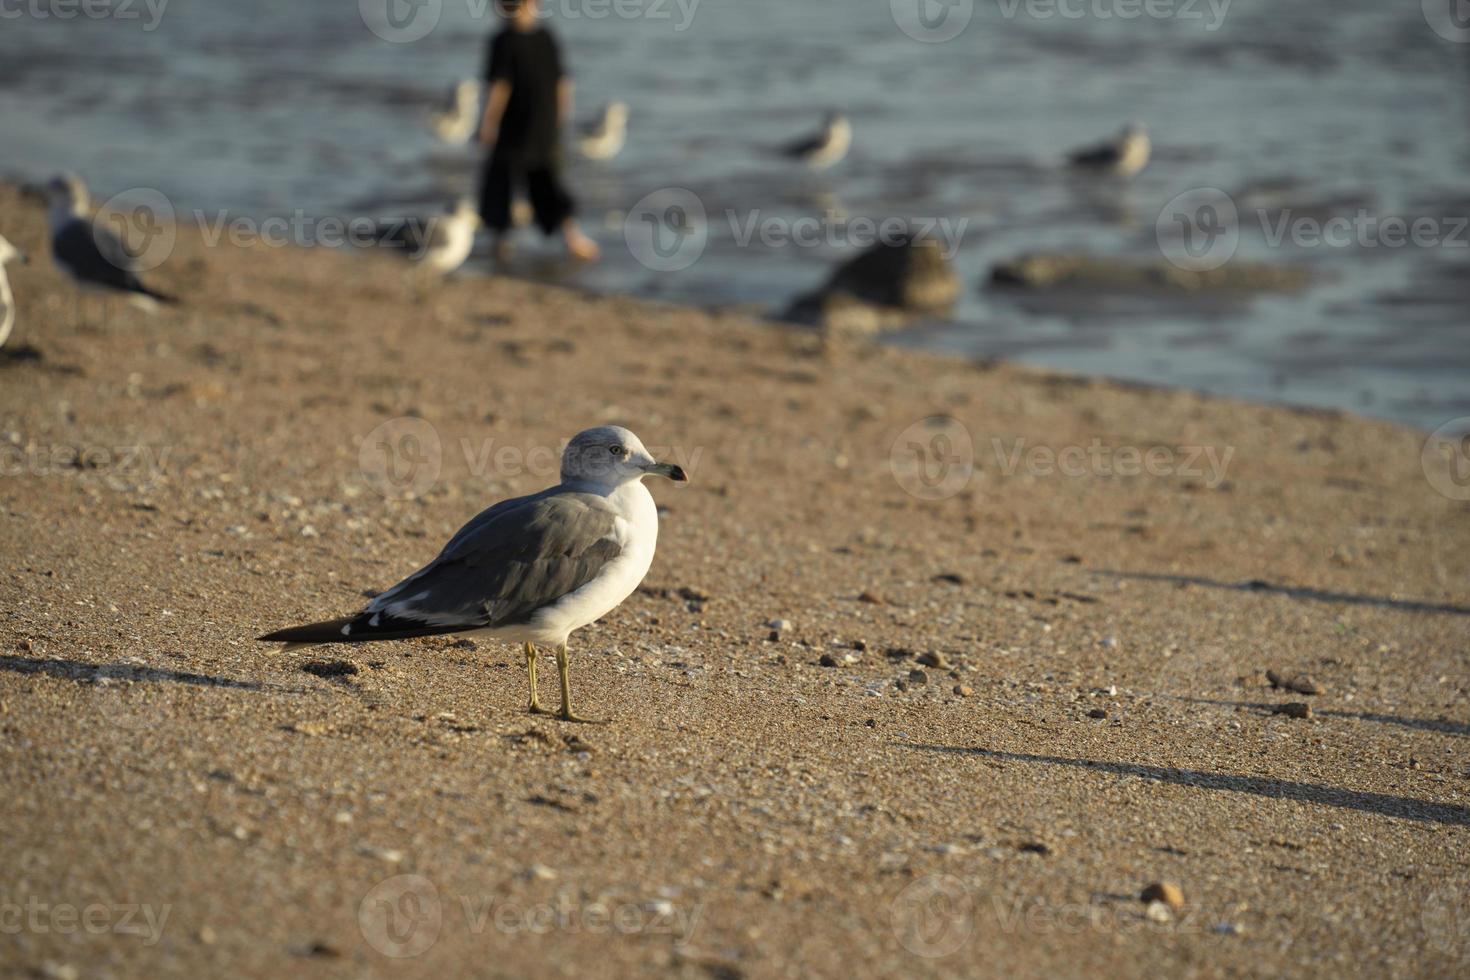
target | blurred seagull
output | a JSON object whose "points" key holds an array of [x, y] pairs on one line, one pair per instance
{"points": [[1123, 156], [89, 252], [825, 147], [8, 253], [440, 244], [457, 119], [528, 570], [603, 139]]}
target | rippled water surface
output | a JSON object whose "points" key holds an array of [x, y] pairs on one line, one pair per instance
{"points": [[1353, 109]]}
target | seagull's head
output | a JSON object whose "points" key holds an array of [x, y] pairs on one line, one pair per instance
{"points": [[9, 253], [610, 456], [67, 192]]}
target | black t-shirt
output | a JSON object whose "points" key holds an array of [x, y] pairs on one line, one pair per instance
{"points": [[531, 63]]}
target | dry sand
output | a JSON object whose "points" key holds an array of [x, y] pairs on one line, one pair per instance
{"points": [[179, 800]]}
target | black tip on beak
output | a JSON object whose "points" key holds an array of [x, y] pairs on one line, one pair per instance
{"points": [[677, 474]]}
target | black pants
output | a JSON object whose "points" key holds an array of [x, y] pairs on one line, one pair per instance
{"points": [[542, 181]]}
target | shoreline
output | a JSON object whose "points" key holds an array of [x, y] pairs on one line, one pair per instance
{"points": [[1003, 703]]}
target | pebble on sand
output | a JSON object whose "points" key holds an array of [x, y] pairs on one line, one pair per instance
{"points": [[935, 659], [1300, 683], [1295, 709], [1097, 713], [1164, 891], [964, 690]]}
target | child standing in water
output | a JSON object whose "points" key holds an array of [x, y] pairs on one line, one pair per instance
{"points": [[528, 99]]}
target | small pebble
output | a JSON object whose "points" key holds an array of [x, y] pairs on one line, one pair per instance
{"points": [[827, 660], [917, 676], [780, 625], [539, 872], [1158, 912], [935, 659], [870, 598], [1300, 684], [1166, 892], [1097, 713], [1295, 709], [964, 690]]}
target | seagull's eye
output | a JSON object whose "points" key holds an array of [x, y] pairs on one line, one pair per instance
{"points": [[617, 450]]}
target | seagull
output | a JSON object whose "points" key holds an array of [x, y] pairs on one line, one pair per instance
{"points": [[824, 148], [88, 252], [603, 139], [8, 253], [528, 570], [441, 243], [457, 120], [1123, 156]]}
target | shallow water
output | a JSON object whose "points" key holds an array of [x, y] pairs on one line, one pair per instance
{"points": [[1350, 108]]}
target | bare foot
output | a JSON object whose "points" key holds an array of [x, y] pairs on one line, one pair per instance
{"points": [[579, 246]]}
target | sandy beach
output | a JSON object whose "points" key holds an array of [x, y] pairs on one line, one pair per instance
{"points": [[1019, 671]]}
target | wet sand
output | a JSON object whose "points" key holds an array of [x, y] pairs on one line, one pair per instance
{"points": [[179, 800]]}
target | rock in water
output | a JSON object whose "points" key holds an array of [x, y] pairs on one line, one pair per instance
{"points": [[888, 285]]}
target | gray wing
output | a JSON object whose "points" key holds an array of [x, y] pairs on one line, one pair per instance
{"points": [[504, 565], [1101, 155]]}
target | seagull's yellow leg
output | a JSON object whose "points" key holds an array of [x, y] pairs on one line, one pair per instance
{"points": [[535, 706], [567, 714]]}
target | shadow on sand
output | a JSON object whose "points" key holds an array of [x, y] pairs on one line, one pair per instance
{"points": [[1294, 592], [1403, 807]]}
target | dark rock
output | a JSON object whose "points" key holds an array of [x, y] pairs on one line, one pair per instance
{"points": [[827, 660], [886, 286], [1295, 709], [1093, 273]]}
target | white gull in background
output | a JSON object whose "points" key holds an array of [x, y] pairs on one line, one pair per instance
{"points": [[1122, 156], [441, 243], [88, 252], [457, 120], [8, 253], [528, 570], [604, 138], [825, 147]]}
